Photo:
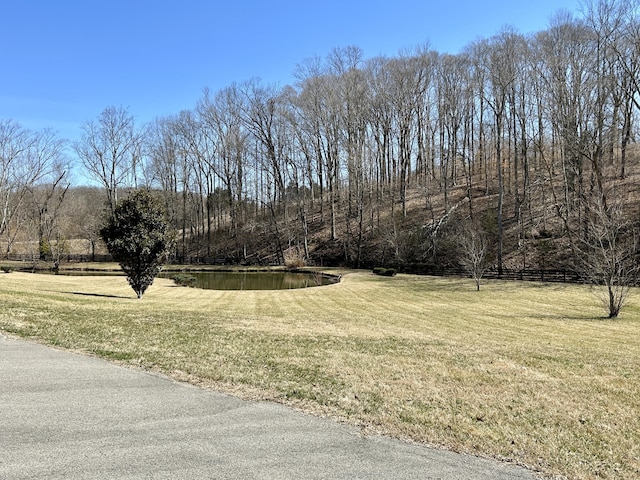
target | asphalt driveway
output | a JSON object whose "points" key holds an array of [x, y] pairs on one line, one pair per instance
{"points": [[69, 416]]}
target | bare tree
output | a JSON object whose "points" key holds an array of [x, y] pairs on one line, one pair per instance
{"points": [[452, 102], [47, 200], [176, 161], [164, 159], [262, 116], [320, 106], [79, 216], [222, 124], [617, 29], [110, 151], [473, 249], [26, 158], [498, 58], [608, 253]]}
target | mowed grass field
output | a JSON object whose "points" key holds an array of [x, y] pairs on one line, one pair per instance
{"points": [[523, 372]]}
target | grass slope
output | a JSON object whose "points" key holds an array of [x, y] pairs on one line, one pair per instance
{"points": [[526, 372]]}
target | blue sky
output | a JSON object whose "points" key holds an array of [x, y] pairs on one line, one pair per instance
{"points": [[62, 62]]}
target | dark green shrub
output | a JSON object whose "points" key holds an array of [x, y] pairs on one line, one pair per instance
{"points": [[184, 280], [5, 269], [385, 272], [44, 247], [139, 238]]}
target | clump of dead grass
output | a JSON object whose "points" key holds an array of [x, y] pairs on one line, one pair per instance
{"points": [[294, 258]]}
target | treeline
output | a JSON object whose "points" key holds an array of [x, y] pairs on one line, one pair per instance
{"points": [[517, 137]]}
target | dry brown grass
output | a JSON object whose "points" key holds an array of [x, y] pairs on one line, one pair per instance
{"points": [[527, 372]]}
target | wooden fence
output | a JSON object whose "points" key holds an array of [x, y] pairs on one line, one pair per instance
{"points": [[24, 257], [532, 275]]}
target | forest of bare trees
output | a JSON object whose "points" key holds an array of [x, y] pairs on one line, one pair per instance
{"points": [[370, 160]]}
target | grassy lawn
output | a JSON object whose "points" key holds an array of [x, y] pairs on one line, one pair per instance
{"points": [[527, 372]]}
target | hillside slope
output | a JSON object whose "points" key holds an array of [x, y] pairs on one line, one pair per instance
{"points": [[535, 235]]}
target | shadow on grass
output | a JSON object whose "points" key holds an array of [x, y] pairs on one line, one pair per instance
{"points": [[99, 295], [580, 318]]}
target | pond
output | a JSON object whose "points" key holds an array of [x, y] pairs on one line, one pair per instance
{"points": [[221, 280], [234, 280]]}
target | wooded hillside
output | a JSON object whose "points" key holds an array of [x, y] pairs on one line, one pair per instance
{"points": [[527, 140]]}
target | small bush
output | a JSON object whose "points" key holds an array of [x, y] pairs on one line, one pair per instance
{"points": [[385, 272], [294, 258], [184, 280], [5, 269]]}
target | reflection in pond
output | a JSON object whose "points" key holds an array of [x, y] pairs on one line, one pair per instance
{"points": [[220, 280]]}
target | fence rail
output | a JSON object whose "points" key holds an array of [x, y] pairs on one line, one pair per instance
{"points": [[532, 275], [27, 257]]}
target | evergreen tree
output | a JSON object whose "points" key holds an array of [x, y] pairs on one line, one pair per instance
{"points": [[139, 238]]}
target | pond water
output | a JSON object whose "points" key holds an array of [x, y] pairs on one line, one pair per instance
{"points": [[226, 280], [259, 280]]}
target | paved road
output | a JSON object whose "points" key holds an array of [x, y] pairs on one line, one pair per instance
{"points": [[69, 416]]}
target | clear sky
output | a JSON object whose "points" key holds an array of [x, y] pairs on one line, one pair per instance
{"points": [[63, 61]]}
